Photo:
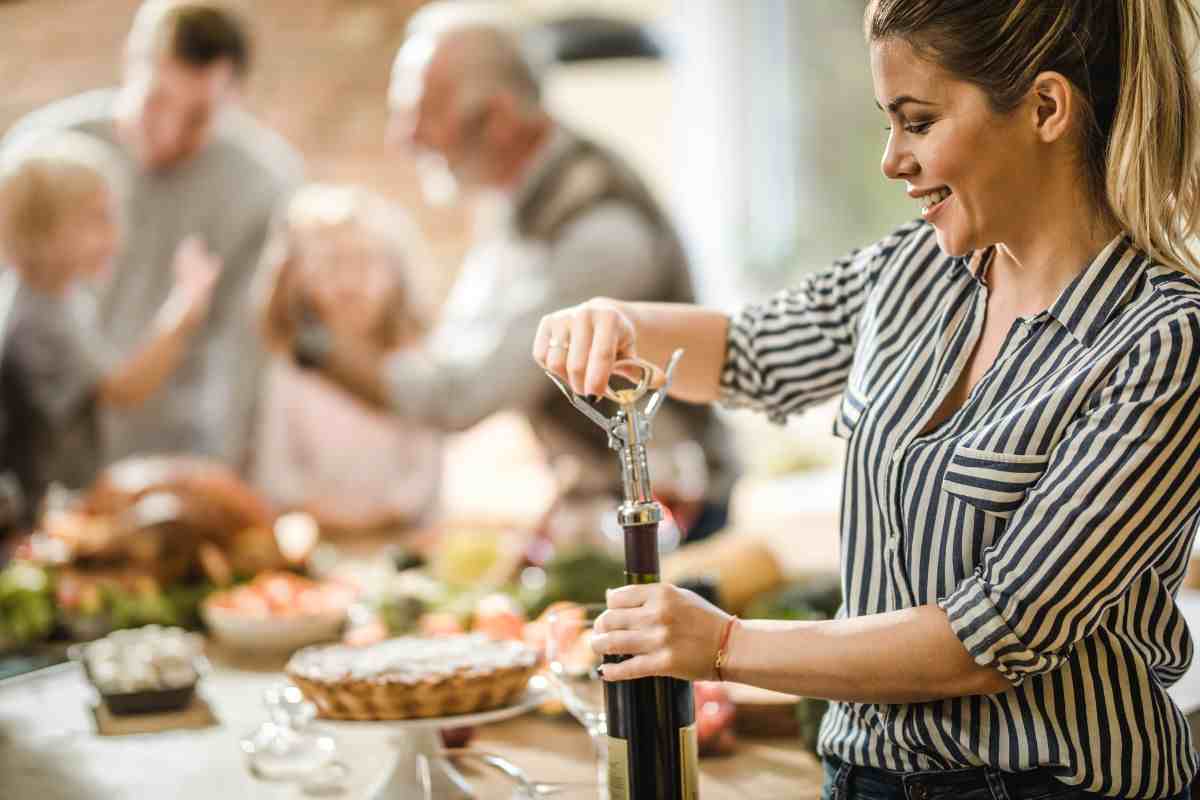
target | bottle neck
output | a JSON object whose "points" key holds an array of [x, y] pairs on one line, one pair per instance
{"points": [[641, 553]]}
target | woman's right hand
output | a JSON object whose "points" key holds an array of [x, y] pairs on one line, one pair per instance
{"points": [[581, 344]]}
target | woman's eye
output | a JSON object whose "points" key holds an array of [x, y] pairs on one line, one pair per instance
{"points": [[916, 128]]}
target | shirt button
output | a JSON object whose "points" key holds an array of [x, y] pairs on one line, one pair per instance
{"points": [[919, 792]]}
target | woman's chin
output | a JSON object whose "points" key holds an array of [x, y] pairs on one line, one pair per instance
{"points": [[950, 244]]}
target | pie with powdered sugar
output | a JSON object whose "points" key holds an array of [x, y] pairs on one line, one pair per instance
{"points": [[412, 677]]}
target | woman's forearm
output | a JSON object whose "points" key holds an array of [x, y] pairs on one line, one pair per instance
{"points": [[906, 656], [663, 327]]}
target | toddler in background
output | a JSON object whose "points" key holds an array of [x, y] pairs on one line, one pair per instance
{"points": [[350, 253], [60, 230]]}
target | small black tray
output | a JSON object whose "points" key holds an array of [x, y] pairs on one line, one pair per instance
{"points": [[147, 701], [150, 701]]}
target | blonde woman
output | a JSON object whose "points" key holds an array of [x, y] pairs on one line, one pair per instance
{"points": [[59, 232], [345, 256], [1020, 374]]}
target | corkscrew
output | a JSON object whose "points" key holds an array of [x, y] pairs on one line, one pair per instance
{"points": [[628, 432]]}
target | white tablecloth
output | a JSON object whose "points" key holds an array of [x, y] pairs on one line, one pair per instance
{"points": [[49, 750]]}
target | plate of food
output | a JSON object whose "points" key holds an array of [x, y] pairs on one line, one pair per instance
{"points": [[278, 612], [143, 670]]}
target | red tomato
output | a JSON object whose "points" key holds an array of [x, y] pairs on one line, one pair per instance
{"points": [[456, 737]]}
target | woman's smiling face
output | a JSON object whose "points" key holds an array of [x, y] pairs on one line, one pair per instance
{"points": [[971, 169]]}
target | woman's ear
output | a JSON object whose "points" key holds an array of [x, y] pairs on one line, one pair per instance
{"points": [[1053, 99]]}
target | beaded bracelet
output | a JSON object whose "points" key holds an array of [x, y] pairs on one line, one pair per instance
{"points": [[722, 654]]}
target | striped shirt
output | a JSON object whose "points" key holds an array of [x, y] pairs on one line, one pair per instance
{"points": [[1051, 516]]}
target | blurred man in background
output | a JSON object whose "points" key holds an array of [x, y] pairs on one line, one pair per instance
{"points": [[195, 167], [576, 223]]}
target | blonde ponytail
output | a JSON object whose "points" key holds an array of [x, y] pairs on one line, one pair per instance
{"points": [[1153, 164]]}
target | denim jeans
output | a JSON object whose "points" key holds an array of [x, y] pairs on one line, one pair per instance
{"points": [[848, 782]]}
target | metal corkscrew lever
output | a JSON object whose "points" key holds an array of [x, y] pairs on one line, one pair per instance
{"points": [[628, 432]]}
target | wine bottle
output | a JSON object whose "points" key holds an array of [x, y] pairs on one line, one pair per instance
{"points": [[652, 750]]}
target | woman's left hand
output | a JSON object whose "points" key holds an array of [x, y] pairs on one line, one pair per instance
{"points": [[667, 630]]}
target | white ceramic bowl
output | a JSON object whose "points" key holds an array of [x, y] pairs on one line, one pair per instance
{"points": [[276, 634]]}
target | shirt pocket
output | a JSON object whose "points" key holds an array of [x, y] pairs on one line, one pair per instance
{"points": [[850, 412], [992, 481]]}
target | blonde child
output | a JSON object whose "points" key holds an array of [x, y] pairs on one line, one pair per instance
{"points": [[60, 230], [348, 254]]}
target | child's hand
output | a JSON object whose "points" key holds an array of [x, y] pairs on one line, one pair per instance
{"points": [[196, 272]]}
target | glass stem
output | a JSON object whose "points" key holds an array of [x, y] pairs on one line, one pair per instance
{"points": [[600, 749]]}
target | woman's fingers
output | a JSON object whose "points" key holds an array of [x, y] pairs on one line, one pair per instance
{"points": [[628, 643], [631, 596], [640, 666], [541, 341], [603, 354], [581, 344], [579, 350], [546, 340], [616, 619], [556, 347]]}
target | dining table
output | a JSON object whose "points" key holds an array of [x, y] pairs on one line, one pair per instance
{"points": [[50, 748]]}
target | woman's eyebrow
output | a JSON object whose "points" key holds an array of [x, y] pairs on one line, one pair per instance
{"points": [[900, 101]]}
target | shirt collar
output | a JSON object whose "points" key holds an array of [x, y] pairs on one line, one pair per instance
{"points": [[968, 266], [1092, 297], [1103, 286]]}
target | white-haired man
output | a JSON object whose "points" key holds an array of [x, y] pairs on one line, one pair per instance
{"points": [[577, 223]]}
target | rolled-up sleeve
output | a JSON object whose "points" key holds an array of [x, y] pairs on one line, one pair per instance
{"points": [[1118, 498]]}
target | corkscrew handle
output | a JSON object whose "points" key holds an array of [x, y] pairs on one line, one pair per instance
{"points": [[625, 398]]}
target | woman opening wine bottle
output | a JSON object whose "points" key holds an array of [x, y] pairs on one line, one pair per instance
{"points": [[1020, 377]]}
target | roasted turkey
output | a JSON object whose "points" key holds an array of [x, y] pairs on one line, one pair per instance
{"points": [[169, 517]]}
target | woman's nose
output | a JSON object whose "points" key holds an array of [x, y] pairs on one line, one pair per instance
{"points": [[898, 162]]}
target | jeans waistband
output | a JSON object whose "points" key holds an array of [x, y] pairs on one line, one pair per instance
{"points": [[847, 781]]}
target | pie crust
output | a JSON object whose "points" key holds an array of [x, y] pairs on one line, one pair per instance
{"points": [[412, 677]]}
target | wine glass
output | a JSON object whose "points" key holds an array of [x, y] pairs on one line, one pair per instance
{"points": [[680, 481], [575, 673], [288, 747]]}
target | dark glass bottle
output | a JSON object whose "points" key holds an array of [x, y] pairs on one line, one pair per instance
{"points": [[652, 751], [651, 721]]}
